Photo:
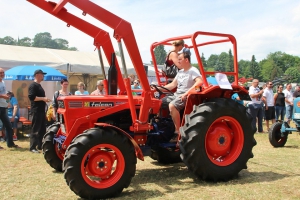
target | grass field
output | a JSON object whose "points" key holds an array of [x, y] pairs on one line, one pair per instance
{"points": [[273, 173]]}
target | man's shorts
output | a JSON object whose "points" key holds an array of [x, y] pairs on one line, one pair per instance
{"points": [[175, 100], [288, 112], [270, 113]]}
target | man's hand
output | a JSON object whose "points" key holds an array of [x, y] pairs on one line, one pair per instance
{"points": [[4, 96], [12, 119], [46, 99], [184, 96]]}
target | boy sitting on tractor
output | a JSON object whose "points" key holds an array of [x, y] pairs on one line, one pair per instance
{"points": [[186, 79]]}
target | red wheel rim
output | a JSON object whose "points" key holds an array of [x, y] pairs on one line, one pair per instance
{"points": [[58, 150], [224, 141], [102, 166]]}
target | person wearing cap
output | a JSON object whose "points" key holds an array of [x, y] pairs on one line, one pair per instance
{"points": [[38, 99], [13, 113], [3, 113], [100, 89], [187, 78]]}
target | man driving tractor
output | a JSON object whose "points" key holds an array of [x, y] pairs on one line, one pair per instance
{"points": [[186, 79]]}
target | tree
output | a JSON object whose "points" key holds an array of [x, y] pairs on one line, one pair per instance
{"points": [[254, 68], [26, 41], [244, 68], [44, 40], [160, 54], [269, 70], [204, 62], [293, 74], [221, 63], [229, 65], [62, 43], [8, 40], [212, 61]]}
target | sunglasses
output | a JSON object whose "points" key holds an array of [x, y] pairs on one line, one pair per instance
{"points": [[100, 85], [136, 82]]}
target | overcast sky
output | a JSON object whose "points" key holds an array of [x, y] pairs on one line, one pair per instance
{"points": [[260, 26]]}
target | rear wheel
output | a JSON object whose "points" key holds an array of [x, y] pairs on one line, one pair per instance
{"points": [[217, 140], [99, 163], [275, 136], [52, 151]]}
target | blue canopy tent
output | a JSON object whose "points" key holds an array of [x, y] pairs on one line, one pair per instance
{"points": [[26, 72]]}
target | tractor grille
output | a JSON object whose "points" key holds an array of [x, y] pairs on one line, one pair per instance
{"points": [[75, 104]]}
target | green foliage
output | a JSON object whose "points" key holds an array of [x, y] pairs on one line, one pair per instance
{"points": [[244, 68], [160, 54], [204, 62], [221, 62], [42, 40], [293, 74], [26, 41], [212, 60], [254, 68], [8, 40]]}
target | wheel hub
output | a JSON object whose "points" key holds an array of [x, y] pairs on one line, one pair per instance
{"points": [[219, 140], [100, 164]]}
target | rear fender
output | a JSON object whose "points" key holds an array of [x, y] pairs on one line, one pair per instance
{"points": [[138, 151]]}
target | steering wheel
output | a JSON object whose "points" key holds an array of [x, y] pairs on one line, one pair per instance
{"points": [[169, 92]]}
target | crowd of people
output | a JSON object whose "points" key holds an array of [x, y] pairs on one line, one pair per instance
{"points": [[10, 114], [269, 106], [264, 103]]}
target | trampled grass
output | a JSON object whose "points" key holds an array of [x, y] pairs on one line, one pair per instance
{"points": [[273, 173]]}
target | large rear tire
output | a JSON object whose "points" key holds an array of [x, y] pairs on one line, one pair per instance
{"points": [[217, 140], [275, 137], [99, 163], [51, 149]]}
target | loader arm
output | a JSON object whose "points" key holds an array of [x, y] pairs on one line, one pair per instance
{"points": [[122, 31], [101, 37]]}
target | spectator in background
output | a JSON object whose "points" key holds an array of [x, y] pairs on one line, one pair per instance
{"points": [[297, 91], [81, 91], [3, 113], [279, 100], [13, 113], [288, 95], [38, 101], [255, 107], [237, 98], [64, 83], [268, 96], [1, 132], [132, 78], [100, 89], [136, 86]]}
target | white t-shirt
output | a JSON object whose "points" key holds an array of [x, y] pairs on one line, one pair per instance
{"points": [[186, 79], [253, 90], [289, 96], [269, 95], [3, 102]]}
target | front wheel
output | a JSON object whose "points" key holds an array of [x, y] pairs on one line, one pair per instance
{"points": [[99, 163], [217, 140], [52, 150], [275, 137]]}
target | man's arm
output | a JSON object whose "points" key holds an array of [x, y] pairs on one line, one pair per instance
{"points": [[4, 96], [198, 82], [171, 85], [257, 94]]}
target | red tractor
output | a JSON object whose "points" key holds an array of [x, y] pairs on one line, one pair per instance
{"points": [[97, 139]]}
